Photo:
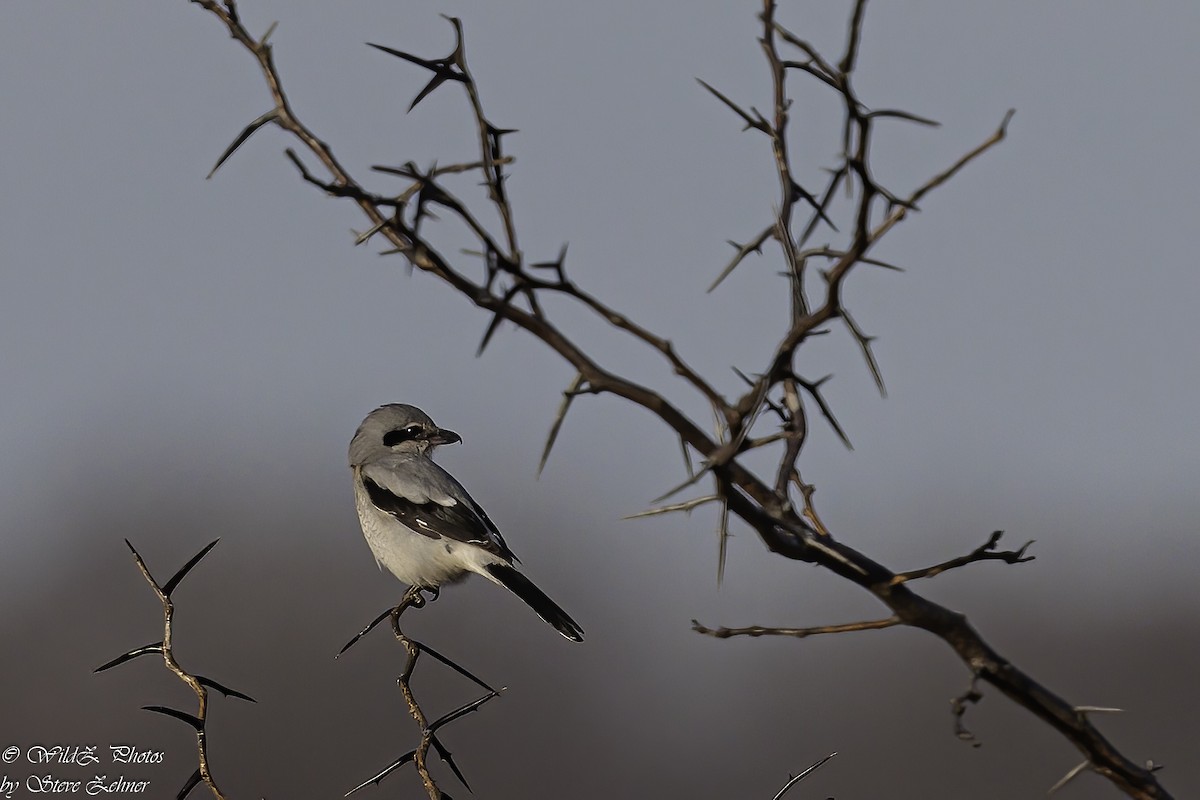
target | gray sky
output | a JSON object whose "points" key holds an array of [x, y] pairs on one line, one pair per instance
{"points": [[184, 360]]}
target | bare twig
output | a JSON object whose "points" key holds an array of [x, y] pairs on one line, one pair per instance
{"points": [[985, 552], [797, 633], [197, 683], [414, 598]]}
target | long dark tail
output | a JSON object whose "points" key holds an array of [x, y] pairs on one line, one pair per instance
{"points": [[536, 599]]}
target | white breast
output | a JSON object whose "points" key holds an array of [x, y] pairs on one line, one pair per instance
{"points": [[412, 557]]}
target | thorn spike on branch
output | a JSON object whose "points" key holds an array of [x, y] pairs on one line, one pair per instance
{"points": [[175, 580], [722, 542], [194, 721], [247, 132], [569, 395], [189, 784], [1070, 776], [685, 507]]}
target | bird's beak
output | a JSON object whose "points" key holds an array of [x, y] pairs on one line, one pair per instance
{"points": [[444, 436]]}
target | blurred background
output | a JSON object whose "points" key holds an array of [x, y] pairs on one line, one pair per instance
{"points": [[184, 360]]}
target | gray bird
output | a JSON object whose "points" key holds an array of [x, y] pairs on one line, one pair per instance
{"points": [[420, 522]]}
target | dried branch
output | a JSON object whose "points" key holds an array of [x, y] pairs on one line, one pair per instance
{"points": [[414, 598], [197, 683], [855, 29], [789, 188], [985, 552], [797, 633], [764, 504], [957, 166], [795, 424]]}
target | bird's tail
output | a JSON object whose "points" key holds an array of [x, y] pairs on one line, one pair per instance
{"points": [[536, 599]]}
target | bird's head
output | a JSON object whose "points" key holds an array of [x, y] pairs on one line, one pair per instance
{"points": [[397, 428]]}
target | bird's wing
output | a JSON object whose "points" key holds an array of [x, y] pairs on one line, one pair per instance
{"points": [[427, 500]]}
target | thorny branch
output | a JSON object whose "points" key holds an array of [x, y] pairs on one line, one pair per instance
{"points": [[197, 683], [419, 756], [510, 290]]}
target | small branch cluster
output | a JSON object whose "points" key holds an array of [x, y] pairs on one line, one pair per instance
{"points": [[877, 210], [419, 756], [197, 683]]}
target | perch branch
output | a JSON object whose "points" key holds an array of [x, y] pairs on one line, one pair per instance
{"points": [[419, 756]]}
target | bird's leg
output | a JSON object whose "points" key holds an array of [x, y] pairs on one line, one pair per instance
{"points": [[413, 598]]}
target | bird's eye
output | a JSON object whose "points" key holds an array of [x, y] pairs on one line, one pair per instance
{"points": [[405, 434]]}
